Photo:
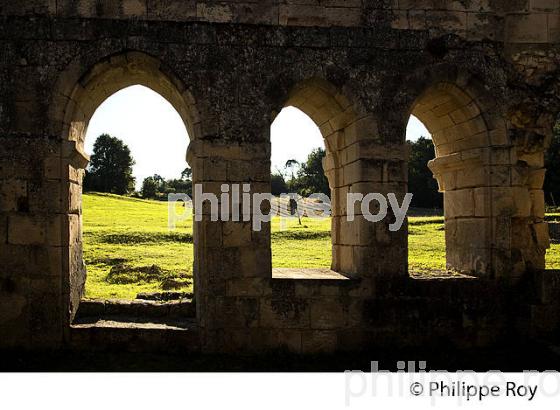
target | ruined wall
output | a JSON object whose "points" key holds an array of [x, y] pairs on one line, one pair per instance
{"points": [[359, 69]]}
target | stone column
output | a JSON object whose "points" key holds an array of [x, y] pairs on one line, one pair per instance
{"points": [[367, 164], [232, 260]]}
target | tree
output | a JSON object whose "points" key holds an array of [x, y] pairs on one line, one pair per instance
{"points": [[110, 168], [149, 188], [552, 164], [180, 186], [291, 164], [161, 183], [186, 175], [278, 184], [158, 187], [311, 176], [421, 182]]}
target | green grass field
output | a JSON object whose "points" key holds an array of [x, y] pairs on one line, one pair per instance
{"points": [[128, 248]]}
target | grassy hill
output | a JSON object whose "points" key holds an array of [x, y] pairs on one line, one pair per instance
{"points": [[128, 248]]}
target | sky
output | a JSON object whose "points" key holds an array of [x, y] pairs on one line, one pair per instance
{"points": [[158, 139]]}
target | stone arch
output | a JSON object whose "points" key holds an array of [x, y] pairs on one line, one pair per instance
{"points": [[77, 96], [330, 110], [486, 200], [340, 121]]}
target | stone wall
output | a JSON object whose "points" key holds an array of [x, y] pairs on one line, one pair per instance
{"points": [[520, 21], [483, 76]]}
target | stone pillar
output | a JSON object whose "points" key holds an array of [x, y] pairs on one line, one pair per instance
{"points": [[494, 214], [367, 164], [530, 238], [34, 222], [232, 261]]}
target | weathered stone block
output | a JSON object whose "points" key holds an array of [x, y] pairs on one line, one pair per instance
{"points": [[288, 312], [553, 28], [3, 229], [216, 13], [301, 15], [75, 198], [544, 5], [238, 312], [327, 313], [236, 234], [535, 203], [13, 195], [319, 341], [500, 175], [26, 230], [536, 179], [134, 8], [459, 203], [210, 233], [526, 28], [246, 286], [53, 168], [448, 21], [542, 235], [255, 262], [344, 259], [466, 233], [494, 202], [470, 177], [215, 169], [284, 339], [171, 9], [357, 232], [55, 229], [11, 307], [482, 26]]}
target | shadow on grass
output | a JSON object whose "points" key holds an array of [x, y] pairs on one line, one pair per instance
{"points": [[145, 237], [300, 235], [432, 221], [122, 274]]}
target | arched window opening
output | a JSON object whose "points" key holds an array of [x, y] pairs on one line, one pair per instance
{"points": [[299, 239], [426, 236], [314, 115], [463, 167], [137, 142]]}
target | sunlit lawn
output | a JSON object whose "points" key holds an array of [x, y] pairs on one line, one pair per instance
{"points": [[128, 248], [426, 244]]}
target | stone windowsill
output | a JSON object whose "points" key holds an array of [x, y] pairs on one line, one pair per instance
{"points": [[308, 274]]}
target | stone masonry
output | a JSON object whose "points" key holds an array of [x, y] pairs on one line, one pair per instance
{"points": [[482, 75]]}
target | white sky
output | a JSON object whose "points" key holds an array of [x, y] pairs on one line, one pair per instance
{"points": [[158, 139]]}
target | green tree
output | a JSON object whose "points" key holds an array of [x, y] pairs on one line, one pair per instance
{"points": [[552, 165], [186, 175], [157, 187], [291, 165], [149, 188], [311, 176], [278, 184], [179, 186], [110, 168], [421, 182]]}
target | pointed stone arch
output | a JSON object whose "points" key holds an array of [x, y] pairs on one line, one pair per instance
{"points": [[79, 93], [487, 201]]}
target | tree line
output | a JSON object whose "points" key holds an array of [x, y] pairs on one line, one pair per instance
{"points": [[110, 170]]}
